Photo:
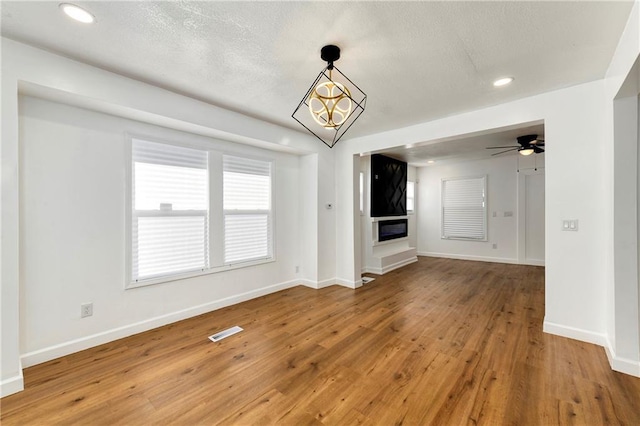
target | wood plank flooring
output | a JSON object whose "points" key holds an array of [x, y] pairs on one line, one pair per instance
{"points": [[443, 342]]}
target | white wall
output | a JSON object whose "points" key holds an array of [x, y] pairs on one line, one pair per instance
{"points": [[365, 218], [576, 262], [31, 71], [622, 86], [531, 212], [309, 217], [502, 196], [72, 232], [412, 226]]}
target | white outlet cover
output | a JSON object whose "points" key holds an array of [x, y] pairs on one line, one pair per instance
{"points": [[86, 310]]}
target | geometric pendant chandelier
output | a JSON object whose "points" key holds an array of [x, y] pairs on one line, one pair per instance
{"points": [[332, 103]]}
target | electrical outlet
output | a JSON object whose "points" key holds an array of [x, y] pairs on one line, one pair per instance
{"points": [[86, 310], [495, 246], [297, 269]]}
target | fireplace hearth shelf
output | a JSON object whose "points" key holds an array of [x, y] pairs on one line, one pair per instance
{"points": [[391, 258]]}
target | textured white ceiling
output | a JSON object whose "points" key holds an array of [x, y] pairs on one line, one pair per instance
{"points": [[417, 61]]}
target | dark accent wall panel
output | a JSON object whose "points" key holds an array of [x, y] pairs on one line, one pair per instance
{"points": [[388, 186]]}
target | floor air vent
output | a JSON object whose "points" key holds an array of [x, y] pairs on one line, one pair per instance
{"points": [[367, 280], [225, 333]]}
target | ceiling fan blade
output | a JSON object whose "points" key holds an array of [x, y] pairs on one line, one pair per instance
{"points": [[502, 152], [498, 147], [537, 149]]}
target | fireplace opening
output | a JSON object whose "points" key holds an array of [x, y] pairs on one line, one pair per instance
{"points": [[392, 229]]}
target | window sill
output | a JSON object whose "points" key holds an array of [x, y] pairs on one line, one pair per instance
{"points": [[193, 274], [484, 240]]}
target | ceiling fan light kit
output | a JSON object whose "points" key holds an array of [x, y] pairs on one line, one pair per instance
{"points": [[525, 151], [527, 145], [333, 102]]}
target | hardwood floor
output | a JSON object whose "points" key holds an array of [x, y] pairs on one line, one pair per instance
{"points": [[440, 341]]}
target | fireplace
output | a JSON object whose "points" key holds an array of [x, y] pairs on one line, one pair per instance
{"points": [[392, 229]]}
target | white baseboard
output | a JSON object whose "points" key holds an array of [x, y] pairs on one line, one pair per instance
{"points": [[325, 283], [309, 283], [622, 365], [13, 384], [332, 281], [318, 284], [533, 262], [575, 333], [66, 348], [469, 257], [389, 268], [348, 283], [399, 264]]}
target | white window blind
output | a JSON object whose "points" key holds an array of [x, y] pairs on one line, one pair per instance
{"points": [[411, 194], [170, 214], [247, 209], [464, 208]]}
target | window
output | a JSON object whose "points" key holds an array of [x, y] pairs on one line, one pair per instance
{"points": [[464, 208], [411, 193], [247, 209], [196, 211], [361, 192], [170, 212]]}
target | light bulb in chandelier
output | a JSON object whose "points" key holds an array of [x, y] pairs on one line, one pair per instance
{"points": [[330, 104]]}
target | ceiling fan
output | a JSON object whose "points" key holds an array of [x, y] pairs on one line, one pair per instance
{"points": [[528, 144]]}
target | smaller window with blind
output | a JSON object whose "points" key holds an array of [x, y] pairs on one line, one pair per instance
{"points": [[411, 197], [361, 192], [247, 209], [464, 208]]}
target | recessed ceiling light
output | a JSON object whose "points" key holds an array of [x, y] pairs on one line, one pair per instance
{"points": [[503, 81], [430, 162], [77, 13]]}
